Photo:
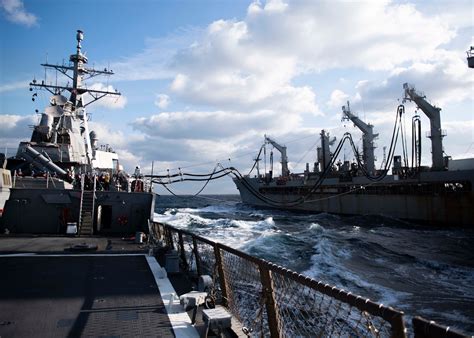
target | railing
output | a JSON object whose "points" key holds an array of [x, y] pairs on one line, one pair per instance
{"points": [[82, 182], [269, 300], [424, 328]]}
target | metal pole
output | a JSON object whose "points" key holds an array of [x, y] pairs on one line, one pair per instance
{"points": [[158, 229], [222, 280], [270, 304], [196, 256], [181, 247], [398, 326]]}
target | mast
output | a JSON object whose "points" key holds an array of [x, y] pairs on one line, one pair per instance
{"points": [[64, 123], [368, 137], [80, 73], [436, 133]]}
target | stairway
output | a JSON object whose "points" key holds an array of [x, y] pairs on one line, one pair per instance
{"points": [[87, 212]]}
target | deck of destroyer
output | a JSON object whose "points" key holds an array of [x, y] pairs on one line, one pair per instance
{"points": [[49, 288]]}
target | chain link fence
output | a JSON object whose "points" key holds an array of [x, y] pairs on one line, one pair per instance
{"points": [[269, 300]]}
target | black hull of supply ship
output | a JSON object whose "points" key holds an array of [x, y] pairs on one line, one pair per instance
{"points": [[441, 194], [62, 180]]}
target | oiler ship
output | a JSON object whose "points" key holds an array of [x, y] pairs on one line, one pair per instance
{"points": [[62, 179], [440, 194]]}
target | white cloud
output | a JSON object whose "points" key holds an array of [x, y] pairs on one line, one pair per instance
{"points": [[14, 86], [15, 12], [162, 101], [112, 136], [367, 34], [109, 101], [15, 128], [338, 99], [179, 83], [444, 80], [214, 125]]}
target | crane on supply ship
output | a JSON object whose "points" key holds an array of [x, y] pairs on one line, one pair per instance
{"points": [[436, 134], [368, 137], [284, 158]]}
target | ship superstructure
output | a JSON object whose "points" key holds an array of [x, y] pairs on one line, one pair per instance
{"points": [[62, 176], [441, 194], [62, 137]]}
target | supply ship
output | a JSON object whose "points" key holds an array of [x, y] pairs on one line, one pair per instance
{"points": [[62, 178], [441, 194]]}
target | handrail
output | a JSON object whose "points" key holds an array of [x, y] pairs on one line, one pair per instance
{"points": [[278, 289]]}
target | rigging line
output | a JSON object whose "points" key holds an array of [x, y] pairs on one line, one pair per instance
{"points": [[209, 162], [207, 182], [184, 174], [469, 148], [306, 153], [190, 179], [236, 156], [341, 194], [256, 160], [200, 190], [298, 139]]}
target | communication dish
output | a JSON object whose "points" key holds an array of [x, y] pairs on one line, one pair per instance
{"points": [[58, 100]]}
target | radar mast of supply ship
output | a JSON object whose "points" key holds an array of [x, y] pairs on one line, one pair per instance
{"points": [[63, 134]]}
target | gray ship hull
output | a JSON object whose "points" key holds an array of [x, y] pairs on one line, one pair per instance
{"points": [[436, 198], [47, 211]]}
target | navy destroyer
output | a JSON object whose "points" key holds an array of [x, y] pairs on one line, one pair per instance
{"points": [[441, 194], [62, 180]]}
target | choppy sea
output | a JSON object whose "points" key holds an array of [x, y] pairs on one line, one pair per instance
{"points": [[417, 269]]}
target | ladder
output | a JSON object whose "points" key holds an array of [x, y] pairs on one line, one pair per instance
{"points": [[86, 209]]}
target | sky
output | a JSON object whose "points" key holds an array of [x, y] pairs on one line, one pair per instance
{"points": [[202, 82]]}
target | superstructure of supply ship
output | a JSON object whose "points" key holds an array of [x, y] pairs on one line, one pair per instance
{"points": [[62, 179], [441, 194]]}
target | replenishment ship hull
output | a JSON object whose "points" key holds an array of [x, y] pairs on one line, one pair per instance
{"points": [[437, 198]]}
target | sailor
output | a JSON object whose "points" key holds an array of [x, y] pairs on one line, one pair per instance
{"points": [[137, 171], [106, 181]]}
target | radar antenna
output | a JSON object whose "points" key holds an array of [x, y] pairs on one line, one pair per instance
{"points": [[80, 73]]}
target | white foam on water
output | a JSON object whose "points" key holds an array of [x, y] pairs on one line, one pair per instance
{"points": [[328, 266], [217, 209], [232, 232]]}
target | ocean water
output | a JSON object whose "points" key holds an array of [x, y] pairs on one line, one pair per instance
{"points": [[416, 269]]}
